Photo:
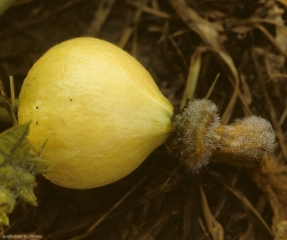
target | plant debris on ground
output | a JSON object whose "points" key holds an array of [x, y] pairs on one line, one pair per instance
{"points": [[233, 52]]}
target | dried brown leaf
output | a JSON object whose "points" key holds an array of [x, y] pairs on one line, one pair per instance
{"points": [[209, 34], [246, 203], [213, 226]]}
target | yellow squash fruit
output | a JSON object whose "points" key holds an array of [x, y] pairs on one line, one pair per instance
{"points": [[99, 110]]}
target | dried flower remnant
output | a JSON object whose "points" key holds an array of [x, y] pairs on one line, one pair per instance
{"points": [[245, 141], [194, 132], [199, 134]]}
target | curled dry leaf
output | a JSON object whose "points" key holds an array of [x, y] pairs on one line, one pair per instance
{"points": [[209, 34], [272, 179]]}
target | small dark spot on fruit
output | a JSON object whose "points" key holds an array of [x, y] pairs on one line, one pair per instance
{"points": [[37, 123], [71, 99], [37, 107]]}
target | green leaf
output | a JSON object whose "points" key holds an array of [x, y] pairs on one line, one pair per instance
{"points": [[28, 195], [7, 203], [4, 220], [18, 166], [12, 139]]}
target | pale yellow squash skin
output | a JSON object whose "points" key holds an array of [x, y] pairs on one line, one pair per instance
{"points": [[99, 108]]}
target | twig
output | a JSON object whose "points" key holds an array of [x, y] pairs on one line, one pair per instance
{"points": [[272, 112], [107, 213], [103, 11], [149, 10], [12, 92], [132, 26]]}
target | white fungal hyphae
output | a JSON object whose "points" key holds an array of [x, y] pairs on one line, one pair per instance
{"points": [[198, 135], [195, 132], [247, 140]]}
